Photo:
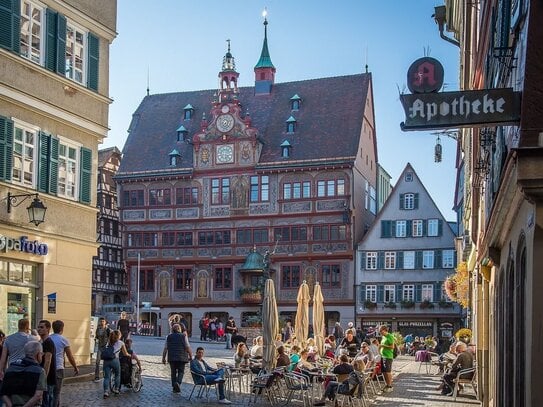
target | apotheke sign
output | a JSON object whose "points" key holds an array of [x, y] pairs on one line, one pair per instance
{"points": [[23, 245]]}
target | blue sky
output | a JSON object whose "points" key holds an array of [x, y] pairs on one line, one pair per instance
{"points": [[181, 44]]}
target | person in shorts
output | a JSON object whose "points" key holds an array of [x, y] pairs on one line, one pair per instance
{"points": [[386, 349]]}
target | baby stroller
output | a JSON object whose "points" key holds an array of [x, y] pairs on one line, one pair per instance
{"points": [[130, 374]]}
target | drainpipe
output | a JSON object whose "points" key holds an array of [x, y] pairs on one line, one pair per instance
{"points": [[441, 19]]}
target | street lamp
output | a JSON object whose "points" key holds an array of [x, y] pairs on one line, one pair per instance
{"points": [[138, 295], [36, 210]]}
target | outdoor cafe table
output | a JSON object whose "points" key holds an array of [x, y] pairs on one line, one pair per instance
{"points": [[242, 375], [317, 379]]}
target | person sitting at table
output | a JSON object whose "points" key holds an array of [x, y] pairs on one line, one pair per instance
{"points": [[328, 351], [210, 375], [257, 350], [331, 339], [294, 357], [241, 355], [282, 358], [447, 358], [464, 360], [304, 363], [350, 342], [342, 371], [366, 356]]}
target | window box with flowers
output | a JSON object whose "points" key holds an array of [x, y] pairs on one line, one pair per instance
{"points": [[407, 304], [369, 304], [390, 304], [426, 304], [445, 304], [250, 295]]}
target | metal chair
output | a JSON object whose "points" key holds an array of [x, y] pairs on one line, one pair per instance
{"points": [[466, 376], [264, 385], [204, 386], [297, 386]]}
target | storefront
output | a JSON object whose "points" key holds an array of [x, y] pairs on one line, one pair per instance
{"points": [[416, 328]]}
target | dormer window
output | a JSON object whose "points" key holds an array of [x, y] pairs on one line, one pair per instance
{"points": [[285, 149], [291, 125], [188, 112], [182, 133], [175, 158], [295, 102]]}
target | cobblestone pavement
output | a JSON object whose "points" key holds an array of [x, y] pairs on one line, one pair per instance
{"points": [[411, 388]]}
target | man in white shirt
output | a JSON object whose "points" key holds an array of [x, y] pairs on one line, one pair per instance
{"points": [[62, 346], [13, 348]]}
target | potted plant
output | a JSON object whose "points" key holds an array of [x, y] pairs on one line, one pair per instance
{"points": [[407, 304], [390, 304], [464, 335], [369, 304], [250, 294], [426, 304]]}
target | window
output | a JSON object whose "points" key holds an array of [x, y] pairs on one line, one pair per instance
{"points": [[373, 200], [75, 53], [433, 227], [220, 191], [417, 228], [184, 238], [260, 188], [331, 187], [408, 292], [223, 278], [329, 232], [211, 238], [183, 279], [371, 261], [24, 156], [297, 190], [409, 260], [290, 233], [291, 127], [168, 238], [31, 44], [159, 197], [133, 198], [408, 177], [390, 293], [390, 260], [285, 151], [290, 276], [186, 196], [427, 292], [150, 239], [67, 170], [448, 259], [251, 236], [401, 228], [428, 259], [147, 280], [371, 293], [409, 201], [331, 275]]}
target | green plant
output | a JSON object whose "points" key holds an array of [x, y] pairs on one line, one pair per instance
{"points": [[408, 304], [390, 304], [249, 290], [398, 338], [464, 335], [369, 304]]}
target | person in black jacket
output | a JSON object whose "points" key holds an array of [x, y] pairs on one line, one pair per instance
{"points": [[178, 353]]}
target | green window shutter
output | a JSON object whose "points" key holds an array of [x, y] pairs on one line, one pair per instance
{"points": [[380, 293], [43, 162], [418, 293], [418, 259], [437, 292], [94, 51], [402, 201], [381, 260], [392, 228], [425, 227], [409, 228], [10, 24], [385, 228], [416, 201], [6, 148], [51, 40], [85, 167], [363, 261], [399, 260], [399, 293], [61, 44], [362, 292], [53, 165], [440, 227], [438, 259]]}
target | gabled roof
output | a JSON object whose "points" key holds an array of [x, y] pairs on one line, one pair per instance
{"points": [[328, 125]]}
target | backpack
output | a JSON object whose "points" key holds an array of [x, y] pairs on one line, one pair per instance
{"points": [[107, 353]]}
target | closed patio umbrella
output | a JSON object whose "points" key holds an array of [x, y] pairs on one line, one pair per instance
{"points": [[318, 318], [270, 324], [301, 326]]}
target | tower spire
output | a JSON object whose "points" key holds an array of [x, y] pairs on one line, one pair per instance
{"points": [[228, 77], [264, 69]]}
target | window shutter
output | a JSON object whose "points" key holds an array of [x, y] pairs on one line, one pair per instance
{"points": [[6, 148], [392, 228], [10, 24], [418, 259], [438, 259], [409, 228], [60, 41], [418, 293], [437, 292], [398, 293], [440, 227], [381, 260], [402, 201], [416, 201], [399, 260], [363, 261], [53, 165], [425, 227], [85, 166], [380, 293], [386, 228], [43, 162], [362, 292], [51, 40], [94, 51], [454, 259]]}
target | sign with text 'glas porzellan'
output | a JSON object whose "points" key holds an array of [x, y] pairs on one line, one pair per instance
{"points": [[431, 111]]}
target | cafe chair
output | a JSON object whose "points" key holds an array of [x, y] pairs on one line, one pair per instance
{"points": [[204, 386]]}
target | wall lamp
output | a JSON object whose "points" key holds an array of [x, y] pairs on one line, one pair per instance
{"points": [[36, 210]]}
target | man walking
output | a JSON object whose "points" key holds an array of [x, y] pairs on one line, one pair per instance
{"points": [[62, 347], [231, 329], [101, 336], [24, 381], [13, 348], [386, 348], [48, 361], [123, 325], [178, 352]]}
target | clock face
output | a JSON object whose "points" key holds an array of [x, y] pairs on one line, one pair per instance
{"points": [[225, 154], [225, 122]]}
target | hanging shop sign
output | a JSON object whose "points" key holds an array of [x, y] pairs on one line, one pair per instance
{"points": [[23, 245], [52, 303], [428, 109]]}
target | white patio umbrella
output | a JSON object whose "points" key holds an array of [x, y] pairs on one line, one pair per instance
{"points": [[301, 326], [270, 324], [318, 318]]}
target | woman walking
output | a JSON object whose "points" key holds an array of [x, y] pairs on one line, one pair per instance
{"points": [[113, 364]]}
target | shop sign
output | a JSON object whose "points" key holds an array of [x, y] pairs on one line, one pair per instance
{"points": [[415, 324], [52, 303], [23, 245], [374, 323]]}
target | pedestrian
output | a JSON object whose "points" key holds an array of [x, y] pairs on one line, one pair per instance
{"points": [[231, 329], [123, 325], [338, 332], [220, 331], [13, 348], [288, 331], [25, 380], [178, 353], [210, 375], [213, 329], [113, 364], [101, 337], [62, 347], [386, 348], [48, 361]]}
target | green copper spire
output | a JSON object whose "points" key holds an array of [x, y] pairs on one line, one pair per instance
{"points": [[265, 60]]}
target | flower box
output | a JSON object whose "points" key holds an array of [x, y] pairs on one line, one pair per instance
{"points": [[251, 298]]}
